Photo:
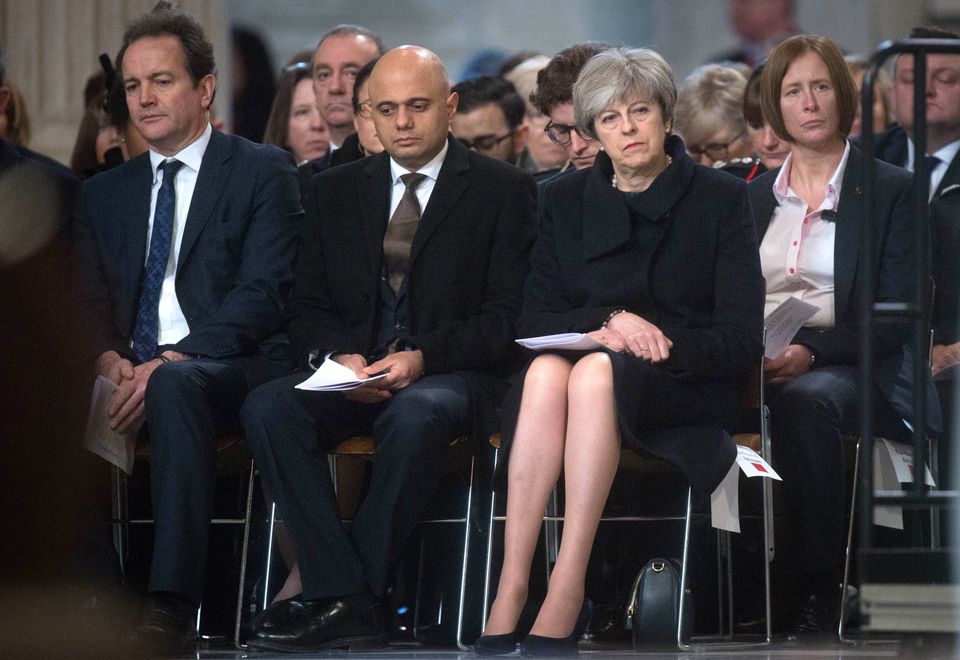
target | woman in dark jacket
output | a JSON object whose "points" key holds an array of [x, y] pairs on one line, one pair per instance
{"points": [[809, 215], [655, 257]]}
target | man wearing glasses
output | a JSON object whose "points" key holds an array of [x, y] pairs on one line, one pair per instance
{"points": [[489, 120], [554, 98]]}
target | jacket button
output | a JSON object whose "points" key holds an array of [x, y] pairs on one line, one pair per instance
{"points": [[364, 297], [399, 327]]}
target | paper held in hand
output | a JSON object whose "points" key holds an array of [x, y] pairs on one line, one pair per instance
{"points": [[117, 448], [567, 341], [334, 377], [780, 325]]}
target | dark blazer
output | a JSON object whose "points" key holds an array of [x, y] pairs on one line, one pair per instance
{"points": [[465, 277], [896, 255], [891, 146], [235, 264], [704, 278]]}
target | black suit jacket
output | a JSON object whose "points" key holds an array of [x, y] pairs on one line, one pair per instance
{"points": [[235, 263], [465, 276], [896, 256], [945, 229]]}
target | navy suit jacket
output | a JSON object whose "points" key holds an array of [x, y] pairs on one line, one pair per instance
{"points": [[896, 256], [235, 263]]}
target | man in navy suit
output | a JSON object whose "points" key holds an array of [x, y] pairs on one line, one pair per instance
{"points": [[186, 253], [896, 145], [430, 299]]}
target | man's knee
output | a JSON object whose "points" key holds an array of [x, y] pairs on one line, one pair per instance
{"points": [[172, 382], [422, 419]]}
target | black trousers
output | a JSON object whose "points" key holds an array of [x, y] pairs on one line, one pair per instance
{"points": [[188, 406], [289, 432], [809, 416]]}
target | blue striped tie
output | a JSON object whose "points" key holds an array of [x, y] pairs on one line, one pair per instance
{"points": [[145, 330]]}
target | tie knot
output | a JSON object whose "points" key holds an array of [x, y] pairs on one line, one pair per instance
{"points": [[170, 168], [412, 180]]}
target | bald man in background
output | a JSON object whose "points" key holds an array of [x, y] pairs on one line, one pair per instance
{"points": [[412, 265]]}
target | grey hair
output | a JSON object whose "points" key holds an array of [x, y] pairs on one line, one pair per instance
{"points": [[622, 75], [711, 99]]}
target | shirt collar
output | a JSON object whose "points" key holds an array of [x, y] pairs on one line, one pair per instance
{"points": [[945, 154], [781, 186], [431, 169], [191, 155]]}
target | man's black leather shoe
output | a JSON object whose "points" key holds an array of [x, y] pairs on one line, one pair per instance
{"points": [[353, 622], [166, 628], [276, 613]]}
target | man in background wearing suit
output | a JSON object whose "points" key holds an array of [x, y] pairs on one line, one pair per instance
{"points": [[340, 54], [431, 300], [896, 146], [187, 253]]}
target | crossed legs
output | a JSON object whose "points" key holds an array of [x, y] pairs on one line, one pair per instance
{"points": [[567, 422]]}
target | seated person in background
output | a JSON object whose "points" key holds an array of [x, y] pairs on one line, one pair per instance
{"points": [[363, 142], [295, 123], [185, 254], [548, 154], [98, 146], [489, 120], [655, 257], [896, 145], [810, 216], [430, 300], [857, 64], [768, 149], [710, 115], [554, 98]]}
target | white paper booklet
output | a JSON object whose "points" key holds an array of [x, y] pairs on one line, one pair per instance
{"points": [[567, 341], [780, 325], [334, 377], [113, 446]]}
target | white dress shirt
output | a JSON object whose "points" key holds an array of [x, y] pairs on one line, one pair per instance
{"points": [[172, 324], [425, 189], [797, 251], [945, 154]]}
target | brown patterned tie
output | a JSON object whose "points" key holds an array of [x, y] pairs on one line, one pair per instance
{"points": [[400, 231]]}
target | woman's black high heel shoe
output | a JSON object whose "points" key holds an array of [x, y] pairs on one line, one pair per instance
{"points": [[553, 646], [496, 644]]}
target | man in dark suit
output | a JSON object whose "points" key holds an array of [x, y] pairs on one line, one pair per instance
{"points": [[896, 146], [187, 257], [340, 54], [431, 302]]}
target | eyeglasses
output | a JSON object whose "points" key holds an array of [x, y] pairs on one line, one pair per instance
{"points": [[560, 133], [714, 150], [485, 142]]}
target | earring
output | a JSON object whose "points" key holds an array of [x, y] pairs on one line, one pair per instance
{"points": [[601, 148]]}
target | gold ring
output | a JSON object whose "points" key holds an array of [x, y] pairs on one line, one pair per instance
{"points": [[644, 348]]}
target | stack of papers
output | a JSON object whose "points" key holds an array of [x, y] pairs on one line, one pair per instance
{"points": [[567, 341], [334, 377]]}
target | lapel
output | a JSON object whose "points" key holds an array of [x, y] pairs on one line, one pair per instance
{"points": [[133, 213], [451, 183], [850, 218], [373, 195], [211, 180], [763, 201], [951, 178], [606, 221]]}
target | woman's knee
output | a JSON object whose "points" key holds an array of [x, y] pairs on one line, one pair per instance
{"points": [[592, 376]]}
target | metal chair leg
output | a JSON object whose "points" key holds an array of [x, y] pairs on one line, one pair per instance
{"points": [[489, 557], [842, 626], [468, 519], [681, 644], [243, 559]]}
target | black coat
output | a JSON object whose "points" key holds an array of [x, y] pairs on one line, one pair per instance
{"points": [[465, 276], [702, 287]]}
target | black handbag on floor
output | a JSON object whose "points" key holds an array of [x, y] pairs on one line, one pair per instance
{"points": [[654, 605]]}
